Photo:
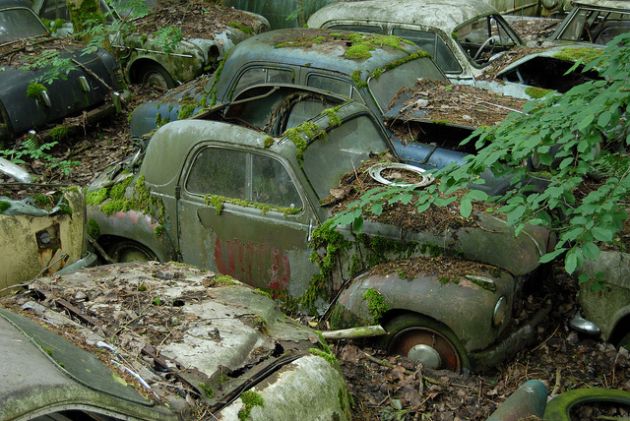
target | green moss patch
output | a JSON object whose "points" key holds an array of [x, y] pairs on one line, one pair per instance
{"points": [[93, 229], [34, 90], [217, 202], [376, 304], [250, 400], [535, 92], [301, 134], [4, 205], [583, 54]]}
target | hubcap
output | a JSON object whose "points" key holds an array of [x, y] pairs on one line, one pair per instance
{"points": [[426, 355], [426, 346]]}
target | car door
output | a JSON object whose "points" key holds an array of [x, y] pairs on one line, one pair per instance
{"points": [[242, 214]]}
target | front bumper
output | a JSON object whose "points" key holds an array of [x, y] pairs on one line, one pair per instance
{"points": [[510, 345]]}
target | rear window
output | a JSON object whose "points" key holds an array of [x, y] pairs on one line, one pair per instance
{"points": [[17, 24]]}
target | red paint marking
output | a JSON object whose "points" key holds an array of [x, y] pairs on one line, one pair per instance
{"points": [[249, 263]]}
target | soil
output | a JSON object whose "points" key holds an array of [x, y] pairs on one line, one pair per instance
{"points": [[458, 104]]}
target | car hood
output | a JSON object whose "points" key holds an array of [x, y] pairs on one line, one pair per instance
{"points": [[67, 95], [565, 51], [214, 336]]}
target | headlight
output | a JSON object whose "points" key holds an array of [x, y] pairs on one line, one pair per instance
{"points": [[500, 312]]}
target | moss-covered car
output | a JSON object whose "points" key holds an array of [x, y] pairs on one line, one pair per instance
{"points": [[44, 80], [249, 203], [160, 342], [281, 13], [594, 21], [469, 40], [164, 43], [42, 227]]}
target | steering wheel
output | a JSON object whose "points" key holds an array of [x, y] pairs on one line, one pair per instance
{"points": [[491, 40]]}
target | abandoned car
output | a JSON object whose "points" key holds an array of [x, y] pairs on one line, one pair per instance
{"points": [[194, 346], [245, 203], [281, 13], [605, 298], [469, 41], [367, 67], [163, 44], [594, 21], [42, 227], [36, 93]]}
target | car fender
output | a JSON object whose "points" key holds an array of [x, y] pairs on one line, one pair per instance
{"points": [[132, 225], [464, 305], [185, 63]]}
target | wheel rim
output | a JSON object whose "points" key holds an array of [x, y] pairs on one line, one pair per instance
{"points": [[129, 253], [426, 346]]}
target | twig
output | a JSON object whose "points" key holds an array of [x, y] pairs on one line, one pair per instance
{"points": [[556, 386], [546, 339]]}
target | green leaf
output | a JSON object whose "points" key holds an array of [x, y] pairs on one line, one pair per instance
{"points": [[604, 119], [590, 250], [465, 208], [586, 121], [603, 234], [571, 261], [551, 255]]}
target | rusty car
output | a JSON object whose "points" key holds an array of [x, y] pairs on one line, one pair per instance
{"points": [[198, 34], [593, 21], [42, 227], [36, 94], [249, 203], [194, 346], [470, 41]]}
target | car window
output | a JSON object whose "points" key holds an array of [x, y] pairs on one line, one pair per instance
{"points": [[305, 110], [385, 87], [257, 75], [326, 83], [434, 45], [272, 185], [55, 9], [596, 26], [19, 23], [342, 150], [220, 172], [359, 28], [484, 37]]}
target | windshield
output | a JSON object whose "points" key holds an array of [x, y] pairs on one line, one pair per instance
{"points": [[485, 37], [18, 24], [385, 87], [341, 151], [595, 26]]}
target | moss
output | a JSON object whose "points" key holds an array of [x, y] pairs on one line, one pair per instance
{"points": [[380, 249], [138, 199], [34, 90], [225, 280], [268, 142], [157, 301], [241, 27], [142, 287], [431, 250], [186, 110], [376, 73], [405, 275], [212, 93], [96, 197], [158, 230], [358, 52], [250, 400], [86, 15], [4, 205], [217, 202], [331, 243], [376, 304], [206, 389], [93, 229], [358, 81], [59, 132], [333, 117], [159, 121], [332, 360], [583, 54], [301, 135], [263, 293], [535, 92]]}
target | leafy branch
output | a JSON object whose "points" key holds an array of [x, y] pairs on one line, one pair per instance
{"points": [[566, 158]]}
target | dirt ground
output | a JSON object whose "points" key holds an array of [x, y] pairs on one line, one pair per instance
{"points": [[391, 388]]}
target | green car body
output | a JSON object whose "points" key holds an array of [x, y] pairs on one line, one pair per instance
{"points": [[244, 203]]}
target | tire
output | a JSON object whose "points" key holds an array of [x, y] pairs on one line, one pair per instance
{"points": [[129, 251], [155, 77], [405, 333]]}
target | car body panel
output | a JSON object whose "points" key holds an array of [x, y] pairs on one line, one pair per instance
{"points": [[224, 338], [36, 241], [90, 85], [605, 298]]}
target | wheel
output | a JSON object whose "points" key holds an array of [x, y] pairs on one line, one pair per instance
{"points": [[130, 251], [426, 341], [154, 76]]}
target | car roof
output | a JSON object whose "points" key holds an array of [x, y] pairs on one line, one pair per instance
{"points": [[171, 143], [443, 14], [612, 4], [5, 4], [317, 48]]}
